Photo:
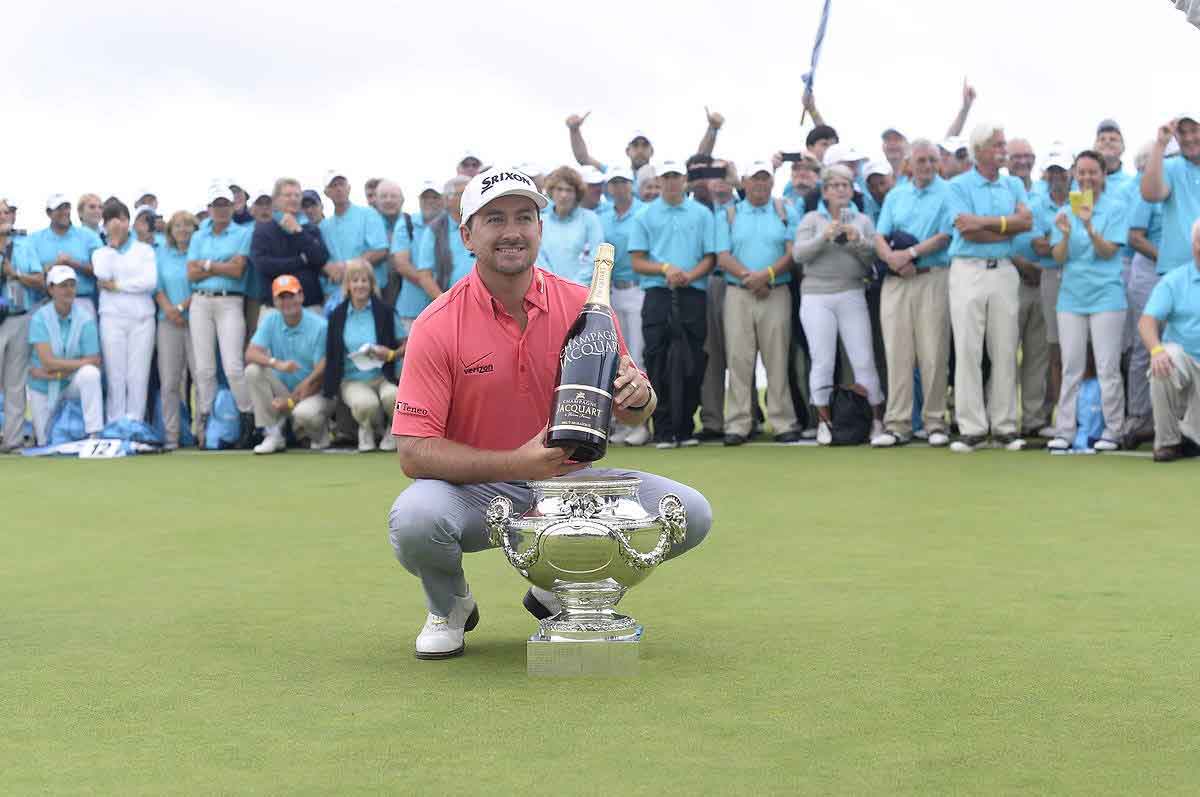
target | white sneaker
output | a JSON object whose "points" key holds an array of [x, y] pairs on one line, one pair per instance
{"points": [[1104, 444], [619, 433], [824, 434], [939, 439], [323, 439], [1047, 431], [388, 443], [442, 637], [886, 440], [272, 443], [690, 442], [366, 439], [663, 445], [876, 428], [638, 437], [1058, 444], [808, 434]]}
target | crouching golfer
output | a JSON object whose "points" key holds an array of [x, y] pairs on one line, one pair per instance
{"points": [[474, 401]]}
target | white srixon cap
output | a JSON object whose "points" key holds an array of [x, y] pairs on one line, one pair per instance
{"points": [[495, 183], [55, 201], [219, 191], [59, 274]]}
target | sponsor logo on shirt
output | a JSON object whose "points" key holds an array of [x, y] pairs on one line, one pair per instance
{"points": [[408, 409], [477, 366], [501, 177]]}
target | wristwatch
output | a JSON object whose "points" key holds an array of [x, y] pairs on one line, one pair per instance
{"points": [[912, 252]]}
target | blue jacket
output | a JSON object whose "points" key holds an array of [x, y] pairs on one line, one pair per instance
{"points": [[275, 252]]}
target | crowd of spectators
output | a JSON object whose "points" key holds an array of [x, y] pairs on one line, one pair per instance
{"points": [[964, 286]]}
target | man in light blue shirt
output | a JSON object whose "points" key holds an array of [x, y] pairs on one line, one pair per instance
{"points": [[673, 248], [1175, 357], [1175, 183], [754, 244], [987, 210], [65, 244], [351, 231], [914, 304], [285, 363], [570, 232], [389, 203]]}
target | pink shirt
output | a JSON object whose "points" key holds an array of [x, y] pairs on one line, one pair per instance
{"points": [[472, 376]]}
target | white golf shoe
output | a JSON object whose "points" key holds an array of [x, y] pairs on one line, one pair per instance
{"points": [[273, 441], [366, 439], [442, 637]]}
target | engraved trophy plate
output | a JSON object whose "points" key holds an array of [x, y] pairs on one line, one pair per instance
{"points": [[588, 541]]}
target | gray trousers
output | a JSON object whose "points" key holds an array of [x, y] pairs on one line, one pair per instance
{"points": [[14, 365], [1104, 329], [712, 389], [1176, 400], [433, 523], [1142, 279]]}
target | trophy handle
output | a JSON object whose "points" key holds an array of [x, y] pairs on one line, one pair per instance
{"points": [[672, 516], [496, 519]]}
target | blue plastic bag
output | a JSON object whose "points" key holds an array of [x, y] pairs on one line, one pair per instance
{"points": [[132, 431], [1089, 416], [224, 424], [66, 424]]}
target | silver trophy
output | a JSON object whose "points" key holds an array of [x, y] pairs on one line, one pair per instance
{"points": [[587, 540]]}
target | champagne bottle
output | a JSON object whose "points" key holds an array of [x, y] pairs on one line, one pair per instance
{"points": [[581, 407]]}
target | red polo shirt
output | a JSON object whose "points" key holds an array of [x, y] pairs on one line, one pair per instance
{"points": [[471, 375]]}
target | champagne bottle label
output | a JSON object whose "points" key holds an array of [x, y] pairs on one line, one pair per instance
{"points": [[581, 408]]}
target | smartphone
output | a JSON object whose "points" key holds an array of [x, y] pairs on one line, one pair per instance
{"points": [[792, 157], [706, 173], [847, 216], [1081, 198]]}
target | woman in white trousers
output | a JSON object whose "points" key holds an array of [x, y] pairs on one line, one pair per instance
{"points": [[174, 297], [127, 277]]}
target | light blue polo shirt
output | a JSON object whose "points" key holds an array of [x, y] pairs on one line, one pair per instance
{"points": [[1045, 211], [971, 193], [419, 226], [400, 242], [25, 261], [616, 232], [78, 242], [1175, 301], [569, 245], [920, 212], [360, 229], [1148, 216], [234, 240], [677, 234], [757, 238], [304, 343], [172, 276], [1091, 284], [360, 329], [1180, 211], [426, 254], [89, 346]]}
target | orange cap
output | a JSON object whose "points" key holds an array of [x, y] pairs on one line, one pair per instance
{"points": [[285, 283]]}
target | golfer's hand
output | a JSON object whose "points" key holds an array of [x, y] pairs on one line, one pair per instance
{"points": [[535, 460], [630, 388], [1161, 365]]}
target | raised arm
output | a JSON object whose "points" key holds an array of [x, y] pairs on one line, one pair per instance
{"points": [[1154, 184], [709, 139], [578, 145], [960, 121]]}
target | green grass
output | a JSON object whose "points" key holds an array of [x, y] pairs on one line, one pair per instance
{"points": [[905, 621]]}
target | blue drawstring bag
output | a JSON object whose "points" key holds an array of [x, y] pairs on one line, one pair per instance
{"points": [[132, 431], [66, 424], [1089, 416], [224, 424]]}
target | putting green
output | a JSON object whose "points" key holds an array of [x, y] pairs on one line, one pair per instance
{"points": [[906, 621]]}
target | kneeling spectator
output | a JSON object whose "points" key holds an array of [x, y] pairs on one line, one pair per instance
{"points": [[363, 325], [1175, 357], [66, 356], [285, 363]]}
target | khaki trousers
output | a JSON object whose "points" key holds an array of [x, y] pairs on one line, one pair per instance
{"points": [[984, 304], [175, 358], [370, 403], [915, 316], [1035, 358], [752, 327], [14, 366], [308, 416], [218, 323], [1176, 400]]}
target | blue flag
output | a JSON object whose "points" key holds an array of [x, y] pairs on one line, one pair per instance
{"points": [[816, 53]]}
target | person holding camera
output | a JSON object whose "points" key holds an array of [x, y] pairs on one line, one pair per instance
{"points": [[21, 283], [1087, 241], [835, 246]]}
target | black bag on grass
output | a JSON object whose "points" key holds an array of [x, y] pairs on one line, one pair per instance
{"points": [[851, 415]]}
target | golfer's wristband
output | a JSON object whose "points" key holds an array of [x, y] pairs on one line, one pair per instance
{"points": [[771, 273], [664, 268], [291, 403], [391, 355], [1003, 225]]}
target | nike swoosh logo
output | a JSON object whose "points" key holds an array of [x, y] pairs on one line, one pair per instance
{"points": [[476, 362]]}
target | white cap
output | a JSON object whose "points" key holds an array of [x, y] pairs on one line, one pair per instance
{"points": [[619, 173], [56, 201], [140, 209], [1193, 115], [219, 191], [430, 185], [591, 175], [331, 175], [881, 167], [842, 153], [493, 184], [663, 168], [754, 167], [532, 169], [954, 143], [59, 274], [1057, 159]]}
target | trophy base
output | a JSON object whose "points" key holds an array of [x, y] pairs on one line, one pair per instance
{"points": [[567, 659]]}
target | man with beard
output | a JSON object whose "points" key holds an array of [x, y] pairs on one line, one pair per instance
{"points": [[460, 445]]}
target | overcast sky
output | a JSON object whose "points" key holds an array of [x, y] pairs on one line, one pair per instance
{"points": [[113, 97]]}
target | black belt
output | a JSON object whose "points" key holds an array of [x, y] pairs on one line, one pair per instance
{"points": [[991, 263], [219, 293]]}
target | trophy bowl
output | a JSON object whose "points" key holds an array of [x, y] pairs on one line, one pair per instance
{"points": [[587, 540]]}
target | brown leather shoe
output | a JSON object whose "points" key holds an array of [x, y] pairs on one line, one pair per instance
{"points": [[1167, 454]]}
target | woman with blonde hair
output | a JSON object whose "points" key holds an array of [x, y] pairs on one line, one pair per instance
{"points": [[360, 356], [570, 233], [174, 295]]}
